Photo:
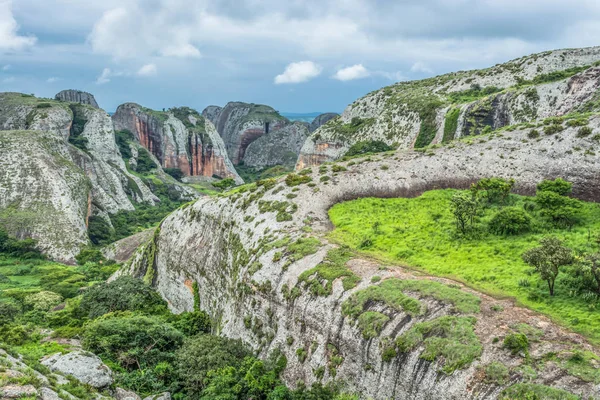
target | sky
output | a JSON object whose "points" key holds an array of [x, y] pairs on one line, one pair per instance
{"points": [[295, 55]]}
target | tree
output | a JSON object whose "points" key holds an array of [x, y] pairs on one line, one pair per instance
{"points": [[122, 294], [548, 259], [559, 209], [558, 186], [510, 221], [464, 208], [495, 190], [590, 266], [224, 184]]}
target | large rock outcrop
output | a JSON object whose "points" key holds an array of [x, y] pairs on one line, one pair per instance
{"points": [[280, 147], [239, 124], [237, 250], [180, 138], [86, 367], [419, 113], [321, 120], [77, 96]]}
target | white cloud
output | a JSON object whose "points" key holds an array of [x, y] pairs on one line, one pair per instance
{"points": [[357, 71], [135, 30], [6, 67], [421, 67], [299, 72], [147, 70], [10, 40], [53, 79], [104, 76]]}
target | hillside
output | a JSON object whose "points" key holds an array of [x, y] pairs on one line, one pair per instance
{"points": [[435, 110]]}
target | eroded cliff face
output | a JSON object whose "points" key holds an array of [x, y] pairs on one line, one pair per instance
{"points": [[240, 250], [321, 120], [419, 113], [44, 195], [240, 124], [180, 138], [77, 96], [280, 147]]}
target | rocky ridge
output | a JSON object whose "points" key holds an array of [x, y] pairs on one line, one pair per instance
{"points": [[237, 249], [419, 113], [280, 147], [239, 124], [180, 138], [77, 96]]}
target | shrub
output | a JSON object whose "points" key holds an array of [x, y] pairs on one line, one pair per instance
{"points": [[99, 231], [367, 147], [65, 282], [122, 294], [495, 190], [558, 186], [44, 105], [203, 353], [295, 180], [533, 134], [43, 301], [530, 391], [510, 221], [496, 373], [561, 210], [174, 172], [516, 343], [553, 129], [584, 131], [145, 163], [89, 255], [192, 323], [122, 138], [224, 184]]}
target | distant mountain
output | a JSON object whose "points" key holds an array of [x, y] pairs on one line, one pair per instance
{"points": [[302, 117]]}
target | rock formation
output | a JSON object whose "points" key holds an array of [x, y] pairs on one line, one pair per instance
{"points": [[77, 96], [250, 280], [180, 138], [419, 113], [280, 147], [321, 120], [239, 124]]}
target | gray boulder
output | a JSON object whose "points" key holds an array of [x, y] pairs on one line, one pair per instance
{"points": [[162, 396], [77, 96], [83, 366], [122, 394], [49, 394], [17, 391]]}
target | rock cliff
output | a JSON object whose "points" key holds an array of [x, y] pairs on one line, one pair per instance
{"points": [[280, 147], [239, 255], [239, 124], [77, 96], [418, 113], [180, 138], [321, 120]]}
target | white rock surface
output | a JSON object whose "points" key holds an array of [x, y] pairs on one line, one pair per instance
{"points": [[83, 366]]}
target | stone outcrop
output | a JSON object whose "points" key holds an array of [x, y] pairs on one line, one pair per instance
{"points": [[321, 120], [86, 367], [280, 147], [239, 124], [249, 281], [77, 96], [419, 113], [180, 138], [44, 194]]}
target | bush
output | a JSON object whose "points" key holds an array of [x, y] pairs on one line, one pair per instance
{"points": [[123, 138], [89, 255], [132, 341], [43, 301], [99, 231], [553, 129], [122, 294], [224, 184], [584, 131], [174, 172], [145, 163], [560, 210], [516, 343], [558, 186], [295, 180], [44, 105], [510, 221], [495, 190], [533, 134], [66, 282], [203, 353], [367, 147], [496, 373], [192, 323]]}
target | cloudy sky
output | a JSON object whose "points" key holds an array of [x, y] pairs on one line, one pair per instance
{"points": [[295, 55]]}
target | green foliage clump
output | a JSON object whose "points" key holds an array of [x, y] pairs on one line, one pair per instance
{"points": [[464, 207], [388, 292], [558, 186], [90, 255], [367, 147], [496, 373], [224, 184], [370, 323], [530, 391], [123, 138], [145, 164], [493, 190], [474, 93], [510, 221], [295, 179], [176, 173], [319, 280], [450, 124], [24, 249], [451, 338], [303, 247], [123, 294], [584, 131], [516, 343], [548, 259]]}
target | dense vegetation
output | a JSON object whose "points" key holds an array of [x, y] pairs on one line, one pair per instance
{"points": [[129, 326], [542, 250]]}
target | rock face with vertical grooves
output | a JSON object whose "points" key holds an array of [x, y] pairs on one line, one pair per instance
{"points": [[180, 138], [251, 283], [280, 147], [239, 124], [321, 120], [419, 113], [77, 96]]}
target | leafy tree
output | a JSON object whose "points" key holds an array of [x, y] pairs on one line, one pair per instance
{"points": [[43, 301], [464, 208], [367, 147], [203, 353], [559, 209], [89, 255], [8, 312], [99, 231], [548, 259], [132, 341], [495, 190], [558, 186], [224, 184], [174, 172], [510, 221], [590, 267], [192, 323], [122, 294], [66, 282]]}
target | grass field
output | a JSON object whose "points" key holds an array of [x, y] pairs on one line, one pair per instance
{"points": [[420, 233]]}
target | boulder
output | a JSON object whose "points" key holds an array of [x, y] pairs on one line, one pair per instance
{"points": [[162, 396], [122, 394], [83, 366], [17, 391], [49, 394]]}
